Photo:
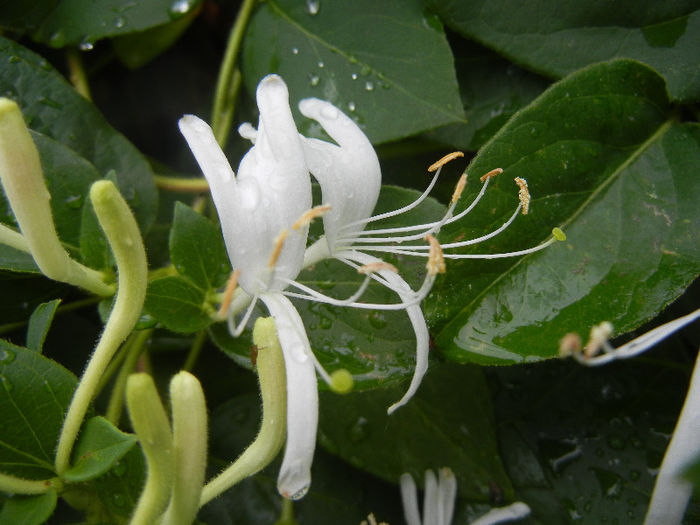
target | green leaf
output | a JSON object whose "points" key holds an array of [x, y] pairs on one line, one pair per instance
{"points": [[120, 487], [73, 22], [39, 324], [197, 250], [28, 510], [604, 160], [387, 64], [52, 107], [16, 260], [448, 423], [34, 395], [582, 441], [557, 38], [99, 447], [492, 90], [177, 304]]}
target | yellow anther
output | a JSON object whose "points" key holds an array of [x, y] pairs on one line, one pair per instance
{"points": [[491, 174], [376, 267], [310, 215], [228, 293], [461, 183], [444, 160], [279, 243], [436, 261], [569, 344], [599, 336], [558, 234], [523, 194]]}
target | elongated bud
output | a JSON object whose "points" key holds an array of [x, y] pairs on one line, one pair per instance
{"points": [[23, 182], [273, 388], [189, 414], [151, 425]]}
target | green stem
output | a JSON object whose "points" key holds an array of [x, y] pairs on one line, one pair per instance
{"points": [[181, 184], [273, 388], [76, 73], [287, 514], [196, 349], [136, 343], [15, 485], [124, 238], [151, 425], [227, 83]]}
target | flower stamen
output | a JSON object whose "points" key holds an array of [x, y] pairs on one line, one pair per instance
{"points": [[523, 194], [436, 259], [444, 160], [308, 216], [231, 285], [491, 174], [373, 267], [279, 244]]}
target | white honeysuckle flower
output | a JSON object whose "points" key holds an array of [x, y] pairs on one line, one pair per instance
{"points": [[262, 213], [439, 502], [350, 178]]}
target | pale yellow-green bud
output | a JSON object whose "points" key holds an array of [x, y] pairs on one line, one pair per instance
{"points": [[342, 381], [151, 425], [25, 188], [189, 414]]}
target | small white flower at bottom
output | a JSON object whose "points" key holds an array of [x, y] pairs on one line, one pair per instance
{"points": [[439, 502]]}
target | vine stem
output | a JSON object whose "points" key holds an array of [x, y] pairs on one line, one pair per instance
{"points": [[77, 75], [229, 80]]}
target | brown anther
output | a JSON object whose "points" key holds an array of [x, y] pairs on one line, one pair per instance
{"points": [[436, 261], [444, 160], [279, 242], [461, 183], [374, 267], [491, 174], [310, 215], [523, 194], [231, 285], [569, 344], [599, 336]]}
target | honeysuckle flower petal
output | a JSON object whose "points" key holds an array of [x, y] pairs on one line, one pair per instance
{"points": [[302, 397], [349, 172], [439, 500], [272, 190]]}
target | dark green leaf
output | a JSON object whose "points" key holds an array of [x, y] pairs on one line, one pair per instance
{"points": [[197, 250], [26, 14], [73, 22], [99, 447], [602, 160], [137, 49], [34, 395], [28, 510], [16, 260], [52, 107], [556, 38], [120, 487], [387, 63], [492, 90], [39, 324], [449, 423], [587, 441], [177, 304]]}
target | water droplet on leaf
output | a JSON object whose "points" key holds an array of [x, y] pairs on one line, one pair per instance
{"points": [[6, 356], [179, 8], [314, 80], [351, 106], [369, 86], [74, 202], [359, 430], [313, 6]]}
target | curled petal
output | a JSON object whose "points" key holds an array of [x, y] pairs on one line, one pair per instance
{"points": [[409, 498], [302, 398], [415, 314], [349, 173]]}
